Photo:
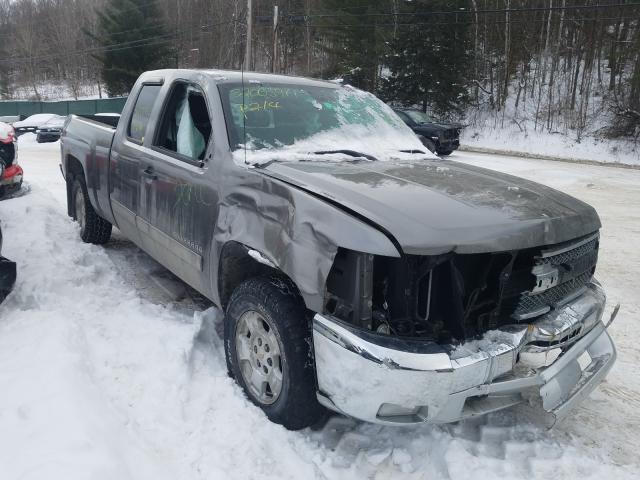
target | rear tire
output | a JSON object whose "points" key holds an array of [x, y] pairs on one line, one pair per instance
{"points": [[444, 153], [268, 350], [93, 228]]}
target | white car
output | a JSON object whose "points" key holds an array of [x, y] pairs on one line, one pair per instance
{"points": [[32, 123]]}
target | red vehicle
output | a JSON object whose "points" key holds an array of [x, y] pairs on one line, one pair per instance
{"points": [[10, 172]]}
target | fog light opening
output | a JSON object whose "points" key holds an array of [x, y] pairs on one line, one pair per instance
{"points": [[393, 413]]}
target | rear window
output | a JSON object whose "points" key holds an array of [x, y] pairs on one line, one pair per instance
{"points": [[142, 111]]}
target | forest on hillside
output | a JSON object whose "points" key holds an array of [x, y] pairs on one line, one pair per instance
{"points": [[554, 65]]}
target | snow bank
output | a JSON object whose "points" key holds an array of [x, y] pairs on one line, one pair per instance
{"points": [[514, 128], [512, 140]]}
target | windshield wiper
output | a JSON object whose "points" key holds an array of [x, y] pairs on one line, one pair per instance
{"points": [[352, 153]]}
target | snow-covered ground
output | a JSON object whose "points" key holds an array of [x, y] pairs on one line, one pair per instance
{"points": [[55, 91], [105, 375], [515, 129]]}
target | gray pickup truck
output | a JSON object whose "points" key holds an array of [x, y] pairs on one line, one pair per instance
{"points": [[357, 271]]}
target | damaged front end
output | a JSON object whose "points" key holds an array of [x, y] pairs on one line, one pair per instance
{"points": [[440, 338]]}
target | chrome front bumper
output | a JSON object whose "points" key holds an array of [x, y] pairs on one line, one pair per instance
{"points": [[390, 380]]}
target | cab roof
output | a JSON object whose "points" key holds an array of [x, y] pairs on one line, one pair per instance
{"points": [[236, 76]]}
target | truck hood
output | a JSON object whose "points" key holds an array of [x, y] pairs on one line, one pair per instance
{"points": [[430, 207]]}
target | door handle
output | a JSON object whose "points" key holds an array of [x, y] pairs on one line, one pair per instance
{"points": [[148, 172]]}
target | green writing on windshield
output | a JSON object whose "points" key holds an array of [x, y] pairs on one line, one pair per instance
{"points": [[259, 106], [265, 92]]}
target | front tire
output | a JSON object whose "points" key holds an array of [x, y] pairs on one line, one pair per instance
{"points": [[93, 228], [427, 142], [268, 350]]}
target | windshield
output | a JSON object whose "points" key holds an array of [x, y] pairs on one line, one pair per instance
{"points": [[419, 117], [270, 118]]}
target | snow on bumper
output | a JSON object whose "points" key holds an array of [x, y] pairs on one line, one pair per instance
{"points": [[382, 379]]}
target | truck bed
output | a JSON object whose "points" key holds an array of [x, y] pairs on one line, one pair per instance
{"points": [[89, 140], [109, 120]]}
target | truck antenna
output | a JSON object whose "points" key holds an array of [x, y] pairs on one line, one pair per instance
{"points": [[244, 117]]}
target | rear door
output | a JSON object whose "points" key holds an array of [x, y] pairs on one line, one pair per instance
{"points": [[178, 192], [126, 160]]}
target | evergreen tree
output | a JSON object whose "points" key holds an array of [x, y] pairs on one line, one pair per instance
{"points": [[134, 40], [355, 40], [429, 61]]}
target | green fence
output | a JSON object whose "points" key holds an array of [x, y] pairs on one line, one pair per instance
{"points": [[78, 107]]}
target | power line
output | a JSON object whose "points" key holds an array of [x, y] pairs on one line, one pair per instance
{"points": [[38, 23], [143, 42], [426, 24], [463, 11]]}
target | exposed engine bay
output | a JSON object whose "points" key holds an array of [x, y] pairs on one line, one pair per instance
{"points": [[452, 298]]}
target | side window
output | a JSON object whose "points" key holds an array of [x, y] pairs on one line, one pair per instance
{"points": [[142, 111], [405, 118], [185, 127]]}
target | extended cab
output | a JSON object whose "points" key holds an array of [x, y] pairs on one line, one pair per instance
{"points": [[356, 270]]}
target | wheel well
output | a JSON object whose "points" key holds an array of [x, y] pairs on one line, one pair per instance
{"points": [[74, 169], [237, 266]]}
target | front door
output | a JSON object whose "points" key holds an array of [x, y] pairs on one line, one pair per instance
{"points": [[178, 195]]}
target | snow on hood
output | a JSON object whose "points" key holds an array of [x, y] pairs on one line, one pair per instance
{"points": [[36, 120]]}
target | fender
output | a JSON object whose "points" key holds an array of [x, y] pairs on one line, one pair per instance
{"points": [[298, 232]]}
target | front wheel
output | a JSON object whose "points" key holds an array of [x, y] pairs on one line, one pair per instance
{"points": [[444, 153], [93, 228], [268, 350]]}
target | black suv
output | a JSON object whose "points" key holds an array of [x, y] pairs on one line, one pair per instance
{"points": [[440, 138]]}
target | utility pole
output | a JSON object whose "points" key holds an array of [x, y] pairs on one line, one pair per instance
{"points": [[274, 64], [247, 53]]}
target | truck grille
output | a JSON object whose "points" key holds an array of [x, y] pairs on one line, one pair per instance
{"points": [[571, 255], [539, 303], [450, 134], [566, 270]]}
